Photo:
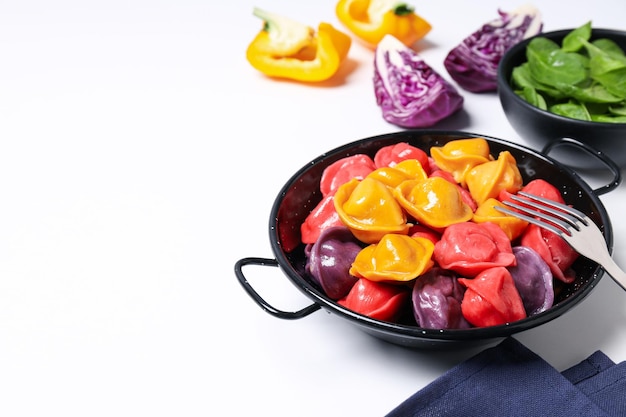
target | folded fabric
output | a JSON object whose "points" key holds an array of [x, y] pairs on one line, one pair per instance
{"points": [[511, 380]]}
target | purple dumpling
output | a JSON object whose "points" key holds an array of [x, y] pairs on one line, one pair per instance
{"points": [[437, 297], [533, 280], [329, 260]]}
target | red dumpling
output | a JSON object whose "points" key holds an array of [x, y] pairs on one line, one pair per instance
{"points": [[469, 248], [553, 250], [389, 156], [322, 217], [339, 172], [377, 300], [491, 299]]}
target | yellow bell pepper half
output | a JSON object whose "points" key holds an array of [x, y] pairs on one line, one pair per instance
{"points": [[288, 49], [371, 20]]}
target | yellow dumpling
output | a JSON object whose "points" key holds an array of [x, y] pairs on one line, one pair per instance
{"points": [[487, 180], [512, 226], [434, 202], [459, 156], [369, 209], [394, 258]]}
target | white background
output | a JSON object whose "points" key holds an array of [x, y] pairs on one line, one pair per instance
{"points": [[140, 155]]}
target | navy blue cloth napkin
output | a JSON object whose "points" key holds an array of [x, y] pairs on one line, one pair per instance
{"points": [[511, 380]]}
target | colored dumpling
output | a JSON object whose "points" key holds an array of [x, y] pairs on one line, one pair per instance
{"points": [[491, 299], [339, 172], [394, 258], [487, 180], [409, 169], [329, 260], [389, 156], [486, 212], [553, 250], [436, 298], [369, 210], [434, 202], [469, 248], [533, 280], [321, 217], [378, 300], [458, 157]]}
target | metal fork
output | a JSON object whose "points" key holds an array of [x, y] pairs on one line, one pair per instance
{"points": [[578, 230]]}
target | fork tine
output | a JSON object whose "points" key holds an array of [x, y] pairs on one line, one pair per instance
{"points": [[550, 205], [561, 218], [530, 219], [588, 240]]}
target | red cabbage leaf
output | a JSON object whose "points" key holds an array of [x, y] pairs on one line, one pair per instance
{"points": [[473, 64], [410, 93]]}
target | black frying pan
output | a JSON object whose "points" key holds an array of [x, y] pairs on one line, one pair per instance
{"points": [[301, 194]]}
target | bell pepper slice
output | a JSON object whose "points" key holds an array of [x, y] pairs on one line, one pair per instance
{"points": [[371, 20], [369, 210], [288, 49], [394, 258]]}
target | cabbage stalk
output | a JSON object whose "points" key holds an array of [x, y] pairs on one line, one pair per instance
{"points": [[473, 64], [410, 93]]}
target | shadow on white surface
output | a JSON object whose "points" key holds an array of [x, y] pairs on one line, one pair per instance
{"points": [[572, 337]]}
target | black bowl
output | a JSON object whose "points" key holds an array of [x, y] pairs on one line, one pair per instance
{"points": [[540, 128], [301, 194]]}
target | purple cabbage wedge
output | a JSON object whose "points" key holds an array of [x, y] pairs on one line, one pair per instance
{"points": [[473, 64], [533, 280], [409, 92], [437, 297], [329, 260]]}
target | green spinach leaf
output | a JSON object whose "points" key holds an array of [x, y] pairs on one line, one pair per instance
{"points": [[572, 110], [581, 78], [593, 94], [574, 40], [550, 65], [533, 97], [618, 110], [609, 46]]}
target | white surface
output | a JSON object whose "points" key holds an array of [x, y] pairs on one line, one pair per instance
{"points": [[140, 156]]}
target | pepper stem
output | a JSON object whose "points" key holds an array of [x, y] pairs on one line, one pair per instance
{"points": [[403, 9]]}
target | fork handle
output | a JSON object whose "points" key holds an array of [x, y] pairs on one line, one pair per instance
{"points": [[611, 268]]}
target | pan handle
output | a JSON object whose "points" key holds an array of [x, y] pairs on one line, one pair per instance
{"points": [[268, 308], [608, 162]]}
